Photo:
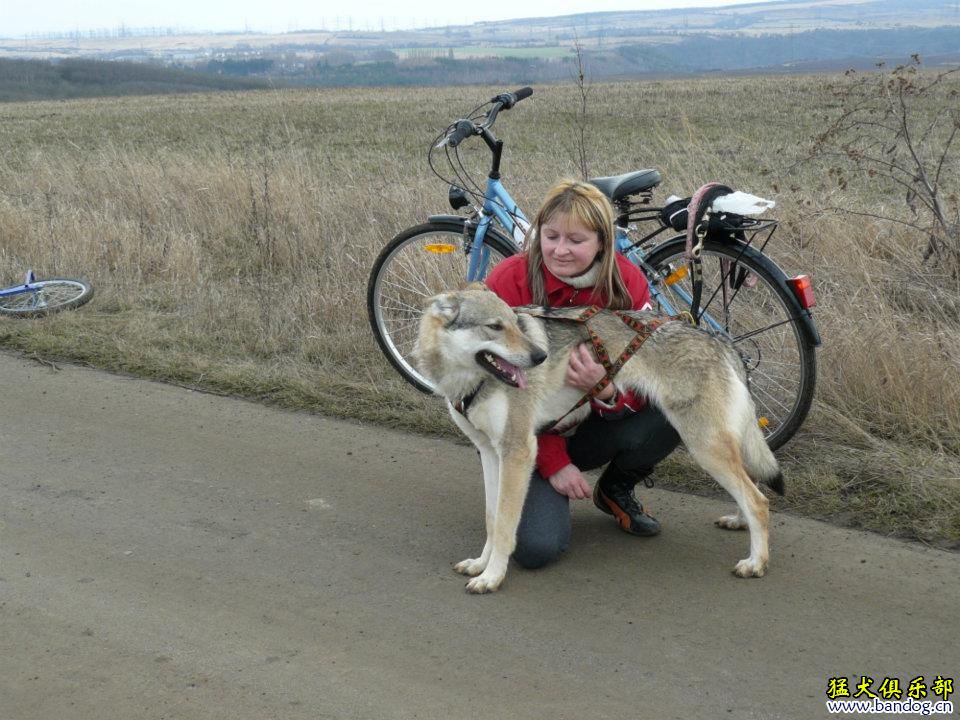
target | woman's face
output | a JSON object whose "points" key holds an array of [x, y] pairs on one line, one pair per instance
{"points": [[569, 248]]}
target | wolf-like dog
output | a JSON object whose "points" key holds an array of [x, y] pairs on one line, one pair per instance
{"points": [[510, 366]]}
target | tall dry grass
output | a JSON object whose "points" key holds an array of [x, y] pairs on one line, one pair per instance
{"points": [[230, 236]]}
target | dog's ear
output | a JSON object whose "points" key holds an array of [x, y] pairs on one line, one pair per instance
{"points": [[473, 286], [447, 307]]}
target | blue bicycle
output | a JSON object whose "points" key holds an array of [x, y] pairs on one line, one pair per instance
{"points": [[35, 298], [729, 286]]}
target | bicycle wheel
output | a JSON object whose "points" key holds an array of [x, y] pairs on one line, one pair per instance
{"points": [[45, 297], [743, 298], [417, 264]]}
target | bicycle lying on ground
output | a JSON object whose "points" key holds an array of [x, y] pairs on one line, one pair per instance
{"points": [[41, 297], [727, 284]]}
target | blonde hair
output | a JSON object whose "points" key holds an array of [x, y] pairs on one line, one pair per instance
{"points": [[586, 205]]}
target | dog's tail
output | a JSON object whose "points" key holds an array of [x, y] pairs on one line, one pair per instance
{"points": [[761, 465]]}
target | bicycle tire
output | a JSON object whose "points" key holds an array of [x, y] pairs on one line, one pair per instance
{"points": [[46, 297], [420, 262], [762, 322]]}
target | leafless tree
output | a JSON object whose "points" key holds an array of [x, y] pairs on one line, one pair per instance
{"points": [[581, 119]]}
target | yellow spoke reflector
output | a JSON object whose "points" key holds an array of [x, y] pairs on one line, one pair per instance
{"points": [[677, 275], [440, 248], [763, 422]]}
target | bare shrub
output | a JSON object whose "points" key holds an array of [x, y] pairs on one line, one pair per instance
{"points": [[897, 130]]}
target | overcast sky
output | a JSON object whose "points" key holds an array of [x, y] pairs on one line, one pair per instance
{"points": [[22, 17]]}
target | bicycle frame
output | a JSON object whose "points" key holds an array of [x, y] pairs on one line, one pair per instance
{"points": [[633, 251], [27, 286], [500, 206]]}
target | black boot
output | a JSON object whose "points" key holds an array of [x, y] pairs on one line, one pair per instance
{"points": [[613, 494]]}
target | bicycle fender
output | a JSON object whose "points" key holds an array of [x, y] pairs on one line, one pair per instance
{"points": [[807, 321], [455, 219]]}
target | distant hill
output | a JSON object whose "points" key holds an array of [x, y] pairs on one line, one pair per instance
{"points": [[781, 36], [41, 80], [768, 18], [828, 49]]}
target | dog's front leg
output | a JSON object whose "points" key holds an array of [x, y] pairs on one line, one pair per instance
{"points": [[491, 481], [516, 465]]}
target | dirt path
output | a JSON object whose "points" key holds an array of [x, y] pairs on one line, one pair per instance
{"points": [[169, 554]]}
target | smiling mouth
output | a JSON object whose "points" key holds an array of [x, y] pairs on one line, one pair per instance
{"points": [[501, 369]]}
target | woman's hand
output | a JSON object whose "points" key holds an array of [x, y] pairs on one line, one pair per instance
{"points": [[583, 372], [570, 482]]}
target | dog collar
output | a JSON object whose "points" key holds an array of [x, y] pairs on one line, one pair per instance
{"points": [[462, 405]]}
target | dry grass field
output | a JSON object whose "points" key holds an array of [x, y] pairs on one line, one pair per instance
{"points": [[229, 238]]}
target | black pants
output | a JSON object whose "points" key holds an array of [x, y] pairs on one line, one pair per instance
{"points": [[635, 443]]}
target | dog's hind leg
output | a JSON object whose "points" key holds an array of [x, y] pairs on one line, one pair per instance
{"points": [[491, 481], [514, 474], [720, 456]]}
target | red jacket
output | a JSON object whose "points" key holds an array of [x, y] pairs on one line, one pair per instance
{"points": [[509, 280]]}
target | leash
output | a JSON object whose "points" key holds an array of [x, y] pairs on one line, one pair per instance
{"points": [[698, 223]]}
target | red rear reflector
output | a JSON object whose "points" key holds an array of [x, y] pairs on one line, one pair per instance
{"points": [[803, 289]]}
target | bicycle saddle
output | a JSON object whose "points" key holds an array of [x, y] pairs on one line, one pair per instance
{"points": [[617, 187]]}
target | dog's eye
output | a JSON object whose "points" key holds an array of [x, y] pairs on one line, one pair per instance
{"points": [[495, 326]]}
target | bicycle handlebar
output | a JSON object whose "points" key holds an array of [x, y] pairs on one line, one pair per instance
{"points": [[508, 100], [462, 129]]}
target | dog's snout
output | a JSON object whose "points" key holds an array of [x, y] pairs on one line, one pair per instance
{"points": [[537, 356]]}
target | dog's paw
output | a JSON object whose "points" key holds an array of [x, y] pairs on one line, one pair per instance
{"points": [[471, 567], [731, 522], [750, 568], [484, 584]]}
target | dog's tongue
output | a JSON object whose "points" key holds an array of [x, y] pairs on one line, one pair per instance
{"points": [[521, 379], [518, 374]]}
